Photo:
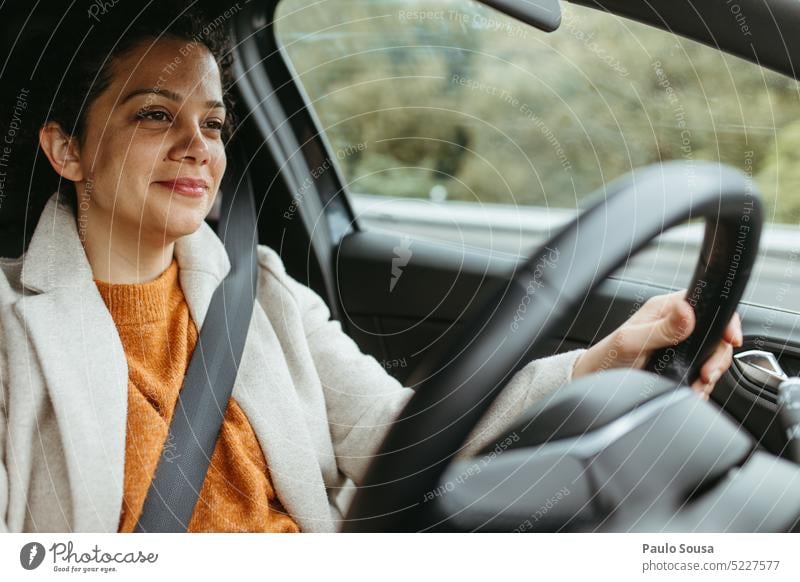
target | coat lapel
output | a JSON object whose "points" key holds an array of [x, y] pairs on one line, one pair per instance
{"points": [[81, 356], [264, 387], [203, 263], [85, 372], [266, 393], [83, 364]]}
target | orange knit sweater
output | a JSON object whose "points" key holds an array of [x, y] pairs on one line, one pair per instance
{"points": [[158, 336]]}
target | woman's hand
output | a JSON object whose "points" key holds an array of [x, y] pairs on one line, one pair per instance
{"points": [[664, 320]]}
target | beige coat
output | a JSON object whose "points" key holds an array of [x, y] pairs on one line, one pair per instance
{"points": [[319, 407]]}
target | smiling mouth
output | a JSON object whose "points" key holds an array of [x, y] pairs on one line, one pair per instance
{"points": [[186, 186]]}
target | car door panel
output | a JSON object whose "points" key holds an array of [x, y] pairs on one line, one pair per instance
{"points": [[440, 287]]}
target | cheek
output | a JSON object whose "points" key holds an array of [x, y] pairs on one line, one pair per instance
{"points": [[125, 161], [142, 160]]}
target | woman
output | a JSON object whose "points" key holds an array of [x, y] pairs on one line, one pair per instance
{"points": [[101, 314]]}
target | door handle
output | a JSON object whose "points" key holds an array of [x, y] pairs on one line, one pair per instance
{"points": [[760, 367]]}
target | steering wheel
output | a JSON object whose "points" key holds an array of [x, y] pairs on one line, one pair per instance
{"points": [[552, 285]]}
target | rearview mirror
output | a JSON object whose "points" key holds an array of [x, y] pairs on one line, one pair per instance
{"points": [[543, 14]]}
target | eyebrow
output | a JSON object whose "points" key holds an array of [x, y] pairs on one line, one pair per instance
{"points": [[171, 95]]}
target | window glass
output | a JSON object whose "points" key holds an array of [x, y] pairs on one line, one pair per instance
{"points": [[451, 96], [452, 103]]}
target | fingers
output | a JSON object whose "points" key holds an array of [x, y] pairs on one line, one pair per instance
{"points": [[655, 308], [719, 361], [713, 368], [733, 333], [677, 320], [703, 389], [670, 320], [665, 320], [675, 325]]}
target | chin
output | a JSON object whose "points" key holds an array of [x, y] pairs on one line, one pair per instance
{"points": [[177, 215], [178, 222], [185, 224], [182, 217]]}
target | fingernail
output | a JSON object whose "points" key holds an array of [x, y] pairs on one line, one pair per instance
{"points": [[714, 376]]}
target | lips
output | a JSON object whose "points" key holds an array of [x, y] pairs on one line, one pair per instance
{"points": [[192, 187]]}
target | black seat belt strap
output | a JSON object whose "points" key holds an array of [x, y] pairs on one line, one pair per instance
{"points": [[211, 374]]}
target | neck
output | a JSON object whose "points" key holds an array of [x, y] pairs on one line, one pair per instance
{"points": [[120, 254]]}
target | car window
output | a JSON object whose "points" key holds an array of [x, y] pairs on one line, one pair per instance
{"points": [[450, 120]]}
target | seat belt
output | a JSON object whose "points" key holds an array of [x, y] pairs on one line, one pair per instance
{"points": [[211, 373]]}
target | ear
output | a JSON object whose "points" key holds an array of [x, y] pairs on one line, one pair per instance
{"points": [[61, 150]]}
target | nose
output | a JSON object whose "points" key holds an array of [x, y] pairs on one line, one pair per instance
{"points": [[191, 147]]}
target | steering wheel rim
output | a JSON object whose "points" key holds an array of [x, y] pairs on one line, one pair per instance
{"points": [[438, 419]]}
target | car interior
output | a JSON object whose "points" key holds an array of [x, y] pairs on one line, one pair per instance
{"points": [[617, 451]]}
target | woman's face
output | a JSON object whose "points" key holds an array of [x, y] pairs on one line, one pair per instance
{"points": [[152, 156]]}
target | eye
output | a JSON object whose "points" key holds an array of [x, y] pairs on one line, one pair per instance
{"points": [[153, 115], [214, 124]]}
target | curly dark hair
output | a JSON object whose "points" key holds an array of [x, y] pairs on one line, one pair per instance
{"points": [[76, 54]]}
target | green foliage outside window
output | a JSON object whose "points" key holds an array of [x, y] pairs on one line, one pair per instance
{"points": [[449, 93]]}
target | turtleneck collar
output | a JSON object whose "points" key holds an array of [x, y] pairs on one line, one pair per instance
{"points": [[138, 303]]}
